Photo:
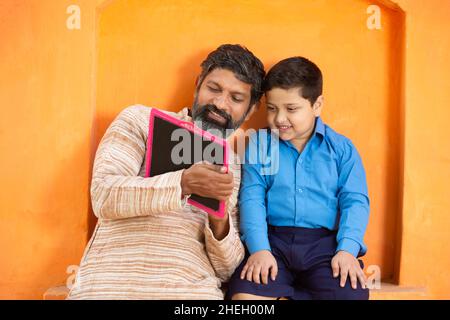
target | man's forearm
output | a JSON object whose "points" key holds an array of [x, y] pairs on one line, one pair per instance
{"points": [[219, 227]]}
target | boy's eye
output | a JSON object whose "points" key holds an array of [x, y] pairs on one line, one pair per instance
{"points": [[292, 109], [269, 108]]}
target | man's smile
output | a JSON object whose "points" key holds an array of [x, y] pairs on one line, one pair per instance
{"points": [[217, 118]]}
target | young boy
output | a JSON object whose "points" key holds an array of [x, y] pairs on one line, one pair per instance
{"points": [[303, 226]]}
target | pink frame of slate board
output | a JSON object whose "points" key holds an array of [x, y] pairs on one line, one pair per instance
{"points": [[194, 130]]}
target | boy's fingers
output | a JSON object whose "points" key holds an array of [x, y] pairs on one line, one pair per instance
{"points": [[274, 272], [344, 274], [256, 274], [264, 275], [335, 267], [244, 270], [361, 275], [362, 279], [353, 279], [249, 273]]}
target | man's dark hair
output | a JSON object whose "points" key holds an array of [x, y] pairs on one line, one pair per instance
{"points": [[239, 60], [296, 72]]}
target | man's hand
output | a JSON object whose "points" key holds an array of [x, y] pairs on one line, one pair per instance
{"points": [[258, 266], [345, 264], [207, 180], [211, 181]]}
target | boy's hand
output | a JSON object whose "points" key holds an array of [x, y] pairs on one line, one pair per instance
{"points": [[347, 265], [258, 266]]}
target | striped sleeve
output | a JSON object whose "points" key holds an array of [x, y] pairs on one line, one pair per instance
{"points": [[117, 190], [226, 255]]}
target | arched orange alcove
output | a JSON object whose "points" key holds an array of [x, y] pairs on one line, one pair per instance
{"points": [[148, 52]]}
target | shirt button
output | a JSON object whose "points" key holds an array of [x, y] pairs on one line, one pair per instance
{"points": [[300, 190]]}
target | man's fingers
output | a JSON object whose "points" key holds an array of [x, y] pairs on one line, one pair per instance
{"points": [[217, 181], [229, 186], [214, 167], [221, 196], [225, 178], [220, 191]]}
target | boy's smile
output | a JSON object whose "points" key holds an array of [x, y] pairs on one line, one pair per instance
{"points": [[292, 115]]}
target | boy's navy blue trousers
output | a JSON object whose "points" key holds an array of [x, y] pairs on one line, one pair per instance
{"points": [[304, 268]]}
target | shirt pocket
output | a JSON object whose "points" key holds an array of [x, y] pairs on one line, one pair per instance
{"points": [[325, 176]]}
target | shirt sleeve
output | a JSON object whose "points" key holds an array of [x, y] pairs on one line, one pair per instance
{"points": [[353, 201], [225, 255], [252, 200], [117, 190]]}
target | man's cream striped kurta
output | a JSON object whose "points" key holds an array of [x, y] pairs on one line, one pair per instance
{"points": [[148, 243]]}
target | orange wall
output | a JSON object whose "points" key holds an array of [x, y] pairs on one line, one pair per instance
{"points": [[138, 65], [425, 255], [61, 92], [46, 104]]}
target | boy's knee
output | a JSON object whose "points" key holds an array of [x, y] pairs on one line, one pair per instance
{"points": [[248, 296], [348, 293]]}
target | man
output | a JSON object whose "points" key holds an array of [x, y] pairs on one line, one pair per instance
{"points": [[148, 242]]}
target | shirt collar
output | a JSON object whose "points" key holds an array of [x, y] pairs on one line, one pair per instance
{"points": [[320, 127]]}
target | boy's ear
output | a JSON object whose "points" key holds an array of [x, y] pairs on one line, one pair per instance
{"points": [[318, 105]]}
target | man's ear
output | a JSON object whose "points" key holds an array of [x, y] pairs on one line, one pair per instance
{"points": [[197, 81], [318, 105]]}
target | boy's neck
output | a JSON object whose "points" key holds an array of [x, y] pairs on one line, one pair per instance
{"points": [[301, 142]]}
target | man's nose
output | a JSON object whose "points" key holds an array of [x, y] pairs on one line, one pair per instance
{"points": [[221, 103]]}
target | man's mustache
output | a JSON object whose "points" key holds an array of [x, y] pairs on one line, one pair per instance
{"points": [[204, 111]]}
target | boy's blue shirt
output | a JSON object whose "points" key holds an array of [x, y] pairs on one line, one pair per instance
{"points": [[323, 187]]}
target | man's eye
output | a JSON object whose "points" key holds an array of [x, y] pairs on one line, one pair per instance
{"points": [[292, 109], [236, 99], [270, 108], [214, 89]]}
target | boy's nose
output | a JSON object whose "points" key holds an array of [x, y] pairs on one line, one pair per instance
{"points": [[280, 118]]}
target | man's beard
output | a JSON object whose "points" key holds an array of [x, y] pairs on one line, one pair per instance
{"points": [[217, 122]]}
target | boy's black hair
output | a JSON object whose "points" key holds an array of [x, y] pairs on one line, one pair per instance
{"points": [[296, 72], [242, 62]]}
